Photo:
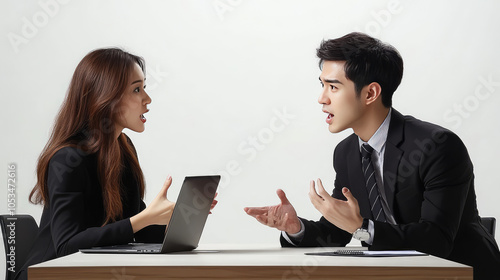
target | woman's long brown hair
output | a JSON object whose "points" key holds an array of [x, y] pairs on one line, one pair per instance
{"points": [[86, 121]]}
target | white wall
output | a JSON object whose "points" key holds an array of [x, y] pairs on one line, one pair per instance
{"points": [[220, 71]]}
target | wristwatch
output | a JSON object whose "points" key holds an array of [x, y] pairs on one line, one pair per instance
{"points": [[362, 233]]}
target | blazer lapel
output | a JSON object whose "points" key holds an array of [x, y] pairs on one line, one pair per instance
{"points": [[392, 156]]}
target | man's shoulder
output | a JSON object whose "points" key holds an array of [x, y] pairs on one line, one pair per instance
{"points": [[408, 128], [347, 142], [416, 128], [418, 131], [412, 123]]}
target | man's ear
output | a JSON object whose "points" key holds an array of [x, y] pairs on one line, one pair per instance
{"points": [[373, 92]]}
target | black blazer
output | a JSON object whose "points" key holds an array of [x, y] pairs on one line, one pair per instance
{"points": [[73, 218], [429, 184]]}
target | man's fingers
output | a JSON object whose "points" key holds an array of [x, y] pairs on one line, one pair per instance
{"points": [[321, 190], [282, 196], [270, 221], [252, 211], [259, 219], [312, 189], [347, 193], [313, 195], [262, 219]]}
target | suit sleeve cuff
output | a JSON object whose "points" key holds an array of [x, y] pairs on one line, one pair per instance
{"points": [[296, 237]]}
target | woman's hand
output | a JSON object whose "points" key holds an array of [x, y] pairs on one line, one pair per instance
{"points": [[158, 212], [214, 202], [160, 209]]}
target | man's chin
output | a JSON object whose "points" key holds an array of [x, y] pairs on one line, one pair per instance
{"points": [[335, 129]]}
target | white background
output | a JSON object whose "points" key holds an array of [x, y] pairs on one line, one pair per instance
{"points": [[219, 70]]}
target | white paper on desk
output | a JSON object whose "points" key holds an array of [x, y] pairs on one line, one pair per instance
{"points": [[393, 253], [366, 253]]}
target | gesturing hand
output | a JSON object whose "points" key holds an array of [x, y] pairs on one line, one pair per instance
{"points": [[343, 214], [159, 211], [281, 216], [214, 202]]}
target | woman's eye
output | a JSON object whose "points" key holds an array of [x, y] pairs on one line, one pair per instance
{"points": [[137, 90]]}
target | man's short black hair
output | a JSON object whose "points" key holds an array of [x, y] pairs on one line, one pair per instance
{"points": [[367, 60]]}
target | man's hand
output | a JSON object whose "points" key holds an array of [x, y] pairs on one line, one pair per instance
{"points": [[343, 214], [281, 216]]}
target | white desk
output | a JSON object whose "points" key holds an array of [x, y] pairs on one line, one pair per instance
{"points": [[247, 262]]}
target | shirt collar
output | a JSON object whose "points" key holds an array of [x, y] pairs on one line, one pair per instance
{"points": [[377, 141]]}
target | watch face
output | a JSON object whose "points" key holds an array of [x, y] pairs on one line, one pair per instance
{"points": [[361, 235]]}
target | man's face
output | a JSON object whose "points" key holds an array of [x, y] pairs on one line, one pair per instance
{"points": [[338, 98]]}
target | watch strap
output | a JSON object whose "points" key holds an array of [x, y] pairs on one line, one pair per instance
{"points": [[365, 223]]}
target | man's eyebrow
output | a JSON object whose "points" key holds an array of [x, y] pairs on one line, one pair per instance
{"points": [[334, 81]]}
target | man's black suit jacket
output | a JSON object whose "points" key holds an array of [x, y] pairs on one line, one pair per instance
{"points": [[429, 184]]}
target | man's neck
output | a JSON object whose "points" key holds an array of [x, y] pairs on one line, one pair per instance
{"points": [[370, 123]]}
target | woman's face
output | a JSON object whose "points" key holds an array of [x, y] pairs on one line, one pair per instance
{"points": [[133, 104]]}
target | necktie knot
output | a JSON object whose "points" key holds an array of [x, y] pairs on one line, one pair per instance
{"points": [[366, 151]]}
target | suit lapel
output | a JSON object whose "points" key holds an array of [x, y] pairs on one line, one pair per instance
{"points": [[392, 156]]}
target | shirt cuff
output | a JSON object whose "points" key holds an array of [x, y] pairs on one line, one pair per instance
{"points": [[371, 230], [296, 237]]}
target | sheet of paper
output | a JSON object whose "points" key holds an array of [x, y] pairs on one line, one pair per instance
{"points": [[366, 253], [394, 253]]}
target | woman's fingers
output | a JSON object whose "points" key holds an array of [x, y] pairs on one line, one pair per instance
{"points": [[166, 185]]}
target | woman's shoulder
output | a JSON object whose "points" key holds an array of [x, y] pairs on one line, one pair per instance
{"points": [[128, 142], [71, 169], [71, 156]]}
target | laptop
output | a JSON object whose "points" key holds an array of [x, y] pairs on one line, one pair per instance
{"points": [[186, 224]]}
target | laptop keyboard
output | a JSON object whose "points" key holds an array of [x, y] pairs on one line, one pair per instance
{"points": [[143, 247]]}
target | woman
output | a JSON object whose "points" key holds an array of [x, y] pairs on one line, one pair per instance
{"points": [[89, 178]]}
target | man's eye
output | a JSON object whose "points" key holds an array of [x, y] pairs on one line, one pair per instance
{"points": [[322, 85], [332, 87]]}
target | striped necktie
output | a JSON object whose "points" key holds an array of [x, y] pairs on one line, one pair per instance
{"points": [[371, 183]]}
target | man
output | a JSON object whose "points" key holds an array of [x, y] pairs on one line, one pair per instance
{"points": [[401, 183]]}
